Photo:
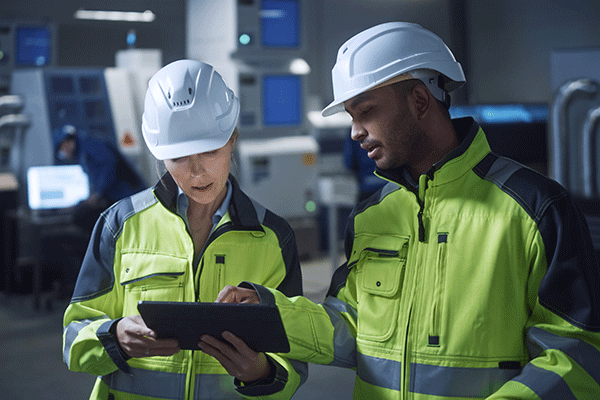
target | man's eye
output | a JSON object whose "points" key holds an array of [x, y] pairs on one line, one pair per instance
{"points": [[366, 110]]}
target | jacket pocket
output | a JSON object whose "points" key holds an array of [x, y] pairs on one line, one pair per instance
{"points": [[381, 273], [152, 278]]}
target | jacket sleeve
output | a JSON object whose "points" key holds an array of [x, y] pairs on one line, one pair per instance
{"points": [[88, 343], [318, 333], [563, 331], [288, 374], [321, 333]]}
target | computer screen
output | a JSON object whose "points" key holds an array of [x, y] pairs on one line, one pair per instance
{"points": [[56, 186], [282, 100], [280, 23], [33, 46]]}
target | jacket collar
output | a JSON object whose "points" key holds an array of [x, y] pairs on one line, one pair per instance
{"points": [[472, 148], [241, 209]]}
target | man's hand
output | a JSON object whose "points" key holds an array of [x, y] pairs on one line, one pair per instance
{"points": [[234, 294], [236, 357], [137, 340]]}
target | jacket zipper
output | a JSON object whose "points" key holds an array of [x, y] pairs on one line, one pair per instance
{"points": [[423, 185], [437, 303]]}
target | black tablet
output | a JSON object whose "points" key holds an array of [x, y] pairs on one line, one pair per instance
{"points": [[258, 325]]}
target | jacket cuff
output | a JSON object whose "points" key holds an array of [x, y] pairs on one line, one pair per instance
{"points": [[271, 384], [108, 339], [264, 295]]}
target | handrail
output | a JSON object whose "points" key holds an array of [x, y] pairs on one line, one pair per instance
{"points": [[12, 102], [588, 150], [20, 122], [559, 125], [15, 120]]}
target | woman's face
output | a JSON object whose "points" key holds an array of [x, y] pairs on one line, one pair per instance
{"points": [[203, 177]]}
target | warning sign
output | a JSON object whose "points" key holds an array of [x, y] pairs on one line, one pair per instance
{"points": [[127, 140], [309, 159]]}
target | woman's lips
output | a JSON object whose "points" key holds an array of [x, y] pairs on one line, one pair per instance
{"points": [[202, 188]]}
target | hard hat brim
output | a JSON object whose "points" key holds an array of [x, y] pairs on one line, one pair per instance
{"points": [[189, 148], [333, 108]]}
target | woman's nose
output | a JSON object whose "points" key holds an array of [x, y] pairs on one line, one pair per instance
{"points": [[196, 165]]}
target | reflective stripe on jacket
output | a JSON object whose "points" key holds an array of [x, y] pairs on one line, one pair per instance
{"points": [[481, 283], [141, 250]]}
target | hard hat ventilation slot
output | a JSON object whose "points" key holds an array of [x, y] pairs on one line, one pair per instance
{"points": [[181, 103]]}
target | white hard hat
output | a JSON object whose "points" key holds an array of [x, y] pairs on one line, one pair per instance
{"points": [[188, 110], [386, 51]]}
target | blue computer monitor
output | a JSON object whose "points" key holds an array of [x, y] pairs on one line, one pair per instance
{"points": [[56, 186], [280, 23], [282, 100], [33, 46]]}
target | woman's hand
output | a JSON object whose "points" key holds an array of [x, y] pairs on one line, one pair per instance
{"points": [[236, 357], [137, 340]]}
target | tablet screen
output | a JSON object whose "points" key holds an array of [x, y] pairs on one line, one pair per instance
{"points": [[258, 325]]}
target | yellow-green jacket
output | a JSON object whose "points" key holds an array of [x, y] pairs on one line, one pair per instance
{"points": [[481, 283], [141, 250]]}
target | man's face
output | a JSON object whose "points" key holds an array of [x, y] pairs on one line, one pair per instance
{"points": [[67, 147], [385, 127]]}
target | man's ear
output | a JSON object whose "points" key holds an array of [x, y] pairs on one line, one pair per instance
{"points": [[422, 100]]}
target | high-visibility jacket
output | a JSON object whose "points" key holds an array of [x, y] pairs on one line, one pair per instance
{"points": [[141, 250], [481, 283]]}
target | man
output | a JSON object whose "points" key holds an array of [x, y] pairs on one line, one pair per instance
{"points": [[110, 174], [468, 275], [111, 178]]}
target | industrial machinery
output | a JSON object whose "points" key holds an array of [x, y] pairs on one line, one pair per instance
{"points": [[259, 58], [25, 44], [97, 101]]}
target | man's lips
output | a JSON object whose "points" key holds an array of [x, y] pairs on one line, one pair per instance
{"points": [[370, 148]]}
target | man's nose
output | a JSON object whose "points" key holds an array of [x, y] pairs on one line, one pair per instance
{"points": [[357, 132]]}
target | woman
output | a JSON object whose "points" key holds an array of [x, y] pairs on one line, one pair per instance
{"points": [[182, 240]]}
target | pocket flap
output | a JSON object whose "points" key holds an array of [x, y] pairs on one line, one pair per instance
{"points": [[140, 266], [382, 274], [392, 243]]}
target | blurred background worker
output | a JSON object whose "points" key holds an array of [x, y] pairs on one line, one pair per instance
{"points": [[181, 240], [110, 175], [111, 178]]}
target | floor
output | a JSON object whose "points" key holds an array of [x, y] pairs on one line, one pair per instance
{"points": [[31, 342]]}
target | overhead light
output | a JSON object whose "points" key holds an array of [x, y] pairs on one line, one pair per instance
{"points": [[299, 66], [129, 16]]}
